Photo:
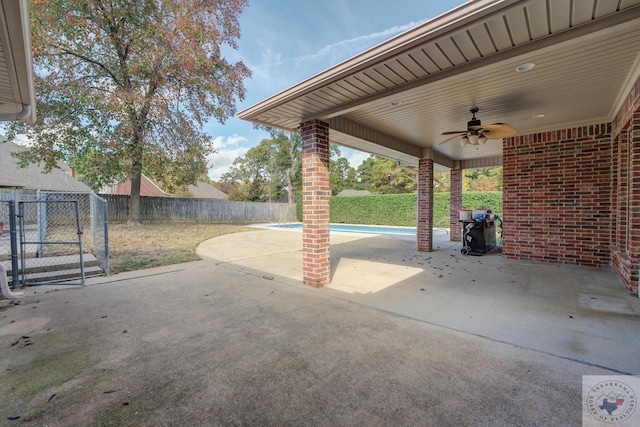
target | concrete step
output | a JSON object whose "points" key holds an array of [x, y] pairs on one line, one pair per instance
{"points": [[62, 275], [58, 269], [41, 265]]}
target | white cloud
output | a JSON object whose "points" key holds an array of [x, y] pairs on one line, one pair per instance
{"points": [[354, 44], [228, 148], [276, 71], [224, 142], [342, 47], [354, 157]]}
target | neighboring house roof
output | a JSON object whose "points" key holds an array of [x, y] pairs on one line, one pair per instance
{"points": [[148, 188], [354, 193], [203, 190], [33, 177]]}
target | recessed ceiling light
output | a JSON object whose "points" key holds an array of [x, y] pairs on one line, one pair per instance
{"points": [[395, 103], [538, 116], [525, 67]]}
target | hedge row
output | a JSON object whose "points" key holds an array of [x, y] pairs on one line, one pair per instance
{"points": [[401, 209]]}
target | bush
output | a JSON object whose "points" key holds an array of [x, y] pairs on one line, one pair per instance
{"points": [[401, 209], [376, 209]]}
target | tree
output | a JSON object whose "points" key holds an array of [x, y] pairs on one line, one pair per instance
{"points": [[380, 175], [258, 169], [275, 163], [289, 161], [342, 174], [441, 181], [125, 87], [482, 179]]}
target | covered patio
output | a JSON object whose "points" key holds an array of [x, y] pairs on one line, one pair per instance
{"points": [[564, 73], [571, 312]]}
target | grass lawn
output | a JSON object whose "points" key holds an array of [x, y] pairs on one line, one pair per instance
{"points": [[154, 245]]}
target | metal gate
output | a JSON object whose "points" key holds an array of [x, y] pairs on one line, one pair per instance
{"points": [[9, 240], [50, 242]]}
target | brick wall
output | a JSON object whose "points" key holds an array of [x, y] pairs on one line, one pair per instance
{"points": [[455, 205], [316, 191], [425, 205], [625, 245], [557, 196]]}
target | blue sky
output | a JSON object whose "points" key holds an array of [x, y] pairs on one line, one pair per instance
{"points": [[285, 42]]}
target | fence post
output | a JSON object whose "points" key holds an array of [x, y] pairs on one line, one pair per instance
{"points": [[105, 216], [79, 231], [42, 223], [92, 218], [13, 231]]}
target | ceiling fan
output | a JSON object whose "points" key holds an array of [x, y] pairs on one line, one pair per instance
{"points": [[476, 134]]}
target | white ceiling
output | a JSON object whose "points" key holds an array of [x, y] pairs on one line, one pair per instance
{"points": [[586, 54]]}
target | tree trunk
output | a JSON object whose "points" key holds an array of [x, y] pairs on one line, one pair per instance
{"points": [[136, 180], [290, 189]]}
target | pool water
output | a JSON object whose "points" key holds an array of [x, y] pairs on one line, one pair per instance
{"points": [[356, 228]]}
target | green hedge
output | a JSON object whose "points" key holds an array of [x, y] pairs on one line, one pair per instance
{"points": [[401, 209], [378, 209]]}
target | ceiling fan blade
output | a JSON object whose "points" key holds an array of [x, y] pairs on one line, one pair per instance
{"points": [[454, 132], [451, 138], [499, 131]]}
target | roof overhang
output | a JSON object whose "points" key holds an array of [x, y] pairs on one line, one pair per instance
{"points": [[396, 99], [17, 99]]}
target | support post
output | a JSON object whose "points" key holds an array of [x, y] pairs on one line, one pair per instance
{"points": [[455, 205], [316, 191], [425, 205]]}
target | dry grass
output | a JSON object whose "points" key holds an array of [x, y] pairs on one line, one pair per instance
{"points": [[153, 245]]}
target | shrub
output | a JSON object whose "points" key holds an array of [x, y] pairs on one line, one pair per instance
{"points": [[401, 209]]}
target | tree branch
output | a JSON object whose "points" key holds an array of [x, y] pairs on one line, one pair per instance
{"points": [[89, 60]]}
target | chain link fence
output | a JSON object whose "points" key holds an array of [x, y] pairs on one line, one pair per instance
{"points": [[51, 226], [50, 248], [99, 209]]}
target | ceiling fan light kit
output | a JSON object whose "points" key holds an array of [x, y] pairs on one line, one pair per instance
{"points": [[476, 134]]}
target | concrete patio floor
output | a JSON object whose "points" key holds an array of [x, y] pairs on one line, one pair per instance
{"points": [[578, 313], [399, 338]]}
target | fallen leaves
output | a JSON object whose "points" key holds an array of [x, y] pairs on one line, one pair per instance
{"points": [[23, 341]]}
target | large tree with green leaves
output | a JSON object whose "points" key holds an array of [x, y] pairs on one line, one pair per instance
{"points": [[258, 169], [482, 179], [289, 161], [342, 174], [125, 87], [386, 176], [273, 165]]}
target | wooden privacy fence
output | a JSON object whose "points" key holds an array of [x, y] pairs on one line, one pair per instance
{"points": [[203, 210]]}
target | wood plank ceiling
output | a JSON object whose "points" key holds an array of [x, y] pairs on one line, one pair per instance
{"points": [[398, 97]]}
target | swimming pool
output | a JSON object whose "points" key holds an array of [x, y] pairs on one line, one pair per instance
{"points": [[355, 228]]}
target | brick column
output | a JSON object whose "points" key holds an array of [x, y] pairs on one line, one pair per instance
{"points": [[455, 204], [633, 224], [425, 205], [316, 191]]}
